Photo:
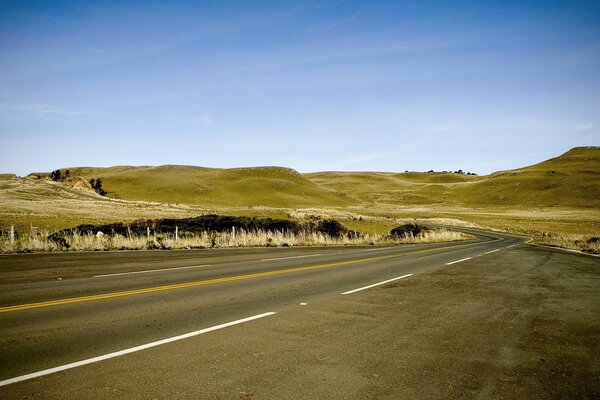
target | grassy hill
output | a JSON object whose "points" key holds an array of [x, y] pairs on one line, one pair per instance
{"points": [[176, 184], [570, 180], [410, 188]]}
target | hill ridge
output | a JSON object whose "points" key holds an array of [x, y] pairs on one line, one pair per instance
{"points": [[570, 179]]}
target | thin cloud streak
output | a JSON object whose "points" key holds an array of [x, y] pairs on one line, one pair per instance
{"points": [[43, 109]]}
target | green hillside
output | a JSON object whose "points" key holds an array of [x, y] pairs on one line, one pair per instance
{"points": [[260, 186], [570, 180]]}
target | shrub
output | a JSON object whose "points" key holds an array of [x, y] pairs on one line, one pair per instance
{"points": [[56, 175], [97, 186], [332, 228], [406, 230]]}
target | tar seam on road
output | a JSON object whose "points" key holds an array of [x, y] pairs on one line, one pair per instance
{"points": [[151, 270], [287, 258], [104, 296], [377, 284], [131, 350]]}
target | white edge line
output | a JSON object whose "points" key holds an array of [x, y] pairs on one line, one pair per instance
{"points": [[286, 258], [457, 261], [376, 284], [493, 251], [151, 270], [130, 350]]}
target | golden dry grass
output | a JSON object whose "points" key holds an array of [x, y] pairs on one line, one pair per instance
{"points": [[39, 242]]}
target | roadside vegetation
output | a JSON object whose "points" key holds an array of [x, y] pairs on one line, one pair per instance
{"points": [[583, 243], [212, 231]]}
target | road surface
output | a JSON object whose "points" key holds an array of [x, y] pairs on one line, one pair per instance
{"points": [[480, 319]]}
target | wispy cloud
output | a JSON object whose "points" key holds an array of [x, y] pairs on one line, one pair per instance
{"points": [[335, 24], [205, 119], [42, 110]]}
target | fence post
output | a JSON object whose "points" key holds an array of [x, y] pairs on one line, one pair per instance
{"points": [[12, 234], [148, 233], [233, 232], [176, 232]]}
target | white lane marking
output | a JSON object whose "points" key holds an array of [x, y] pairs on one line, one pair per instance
{"points": [[493, 251], [151, 270], [130, 350], [457, 261], [383, 248], [287, 258], [377, 284]]}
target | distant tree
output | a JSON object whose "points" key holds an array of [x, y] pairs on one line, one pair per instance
{"points": [[67, 174], [99, 189], [56, 175], [96, 184]]}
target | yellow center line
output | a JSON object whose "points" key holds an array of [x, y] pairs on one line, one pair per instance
{"points": [[103, 296]]}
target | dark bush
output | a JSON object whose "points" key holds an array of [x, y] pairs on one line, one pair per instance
{"points": [[332, 228], [217, 224], [97, 186], [407, 230], [56, 175], [204, 223]]}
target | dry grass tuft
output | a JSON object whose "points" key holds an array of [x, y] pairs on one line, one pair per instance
{"points": [[573, 241]]}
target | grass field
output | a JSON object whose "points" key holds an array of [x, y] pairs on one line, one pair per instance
{"points": [[556, 201]]}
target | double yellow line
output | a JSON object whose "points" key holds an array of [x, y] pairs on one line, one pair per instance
{"points": [[104, 296]]}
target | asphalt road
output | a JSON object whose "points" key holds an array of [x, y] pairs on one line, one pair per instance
{"points": [[412, 336]]}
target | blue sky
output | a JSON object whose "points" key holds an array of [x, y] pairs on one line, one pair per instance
{"points": [[313, 85]]}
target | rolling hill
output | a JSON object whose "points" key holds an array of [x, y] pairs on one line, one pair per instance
{"points": [[566, 184], [175, 184], [570, 180]]}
